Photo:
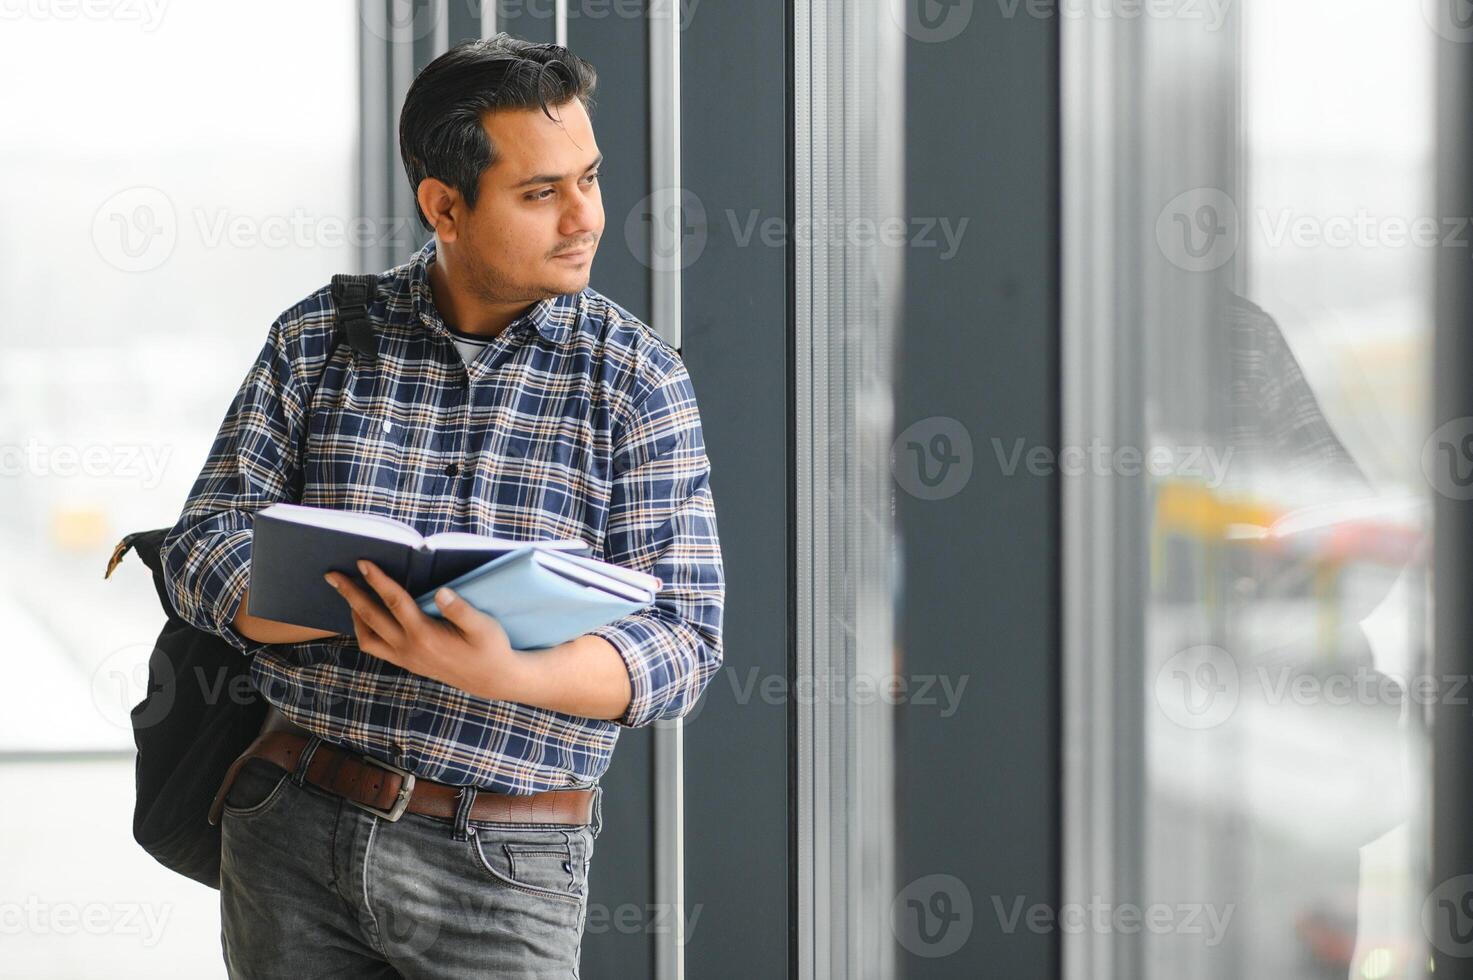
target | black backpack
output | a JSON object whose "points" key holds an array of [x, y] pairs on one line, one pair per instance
{"points": [[201, 710]]}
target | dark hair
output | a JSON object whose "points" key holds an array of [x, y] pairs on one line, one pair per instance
{"points": [[440, 133]]}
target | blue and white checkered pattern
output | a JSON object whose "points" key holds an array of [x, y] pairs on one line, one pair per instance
{"points": [[577, 421]]}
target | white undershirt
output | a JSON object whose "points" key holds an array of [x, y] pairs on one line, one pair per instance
{"points": [[469, 349]]}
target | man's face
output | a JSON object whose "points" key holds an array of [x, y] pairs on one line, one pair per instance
{"points": [[540, 199]]}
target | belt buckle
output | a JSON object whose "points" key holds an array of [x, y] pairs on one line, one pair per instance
{"points": [[406, 789]]}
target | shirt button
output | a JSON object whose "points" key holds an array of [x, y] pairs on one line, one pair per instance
{"points": [[452, 469]]}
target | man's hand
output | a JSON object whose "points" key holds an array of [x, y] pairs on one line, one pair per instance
{"points": [[467, 649]]}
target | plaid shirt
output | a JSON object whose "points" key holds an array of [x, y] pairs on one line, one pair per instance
{"points": [[577, 421]]}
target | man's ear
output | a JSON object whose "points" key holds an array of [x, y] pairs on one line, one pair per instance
{"points": [[441, 205]]}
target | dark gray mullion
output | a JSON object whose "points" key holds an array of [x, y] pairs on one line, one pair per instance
{"points": [[1452, 792], [465, 21], [622, 875], [736, 340], [536, 22], [977, 792]]}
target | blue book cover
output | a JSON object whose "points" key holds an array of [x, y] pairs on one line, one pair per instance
{"points": [[543, 598]]}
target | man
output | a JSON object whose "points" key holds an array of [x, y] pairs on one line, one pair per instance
{"points": [[506, 398]]}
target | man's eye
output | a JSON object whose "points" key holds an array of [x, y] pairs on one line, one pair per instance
{"points": [[543, 195]]}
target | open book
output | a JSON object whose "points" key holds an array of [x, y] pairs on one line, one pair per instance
{"points": [[294, 546]]}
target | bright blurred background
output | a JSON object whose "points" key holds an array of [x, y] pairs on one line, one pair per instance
{"points": [[169, 185]]}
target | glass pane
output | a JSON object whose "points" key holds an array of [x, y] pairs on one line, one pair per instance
{"points": [[166, 197], [172, 177], [1272, 187]]}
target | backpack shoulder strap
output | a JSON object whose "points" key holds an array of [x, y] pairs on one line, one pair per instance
{"points": [[352, 296]]}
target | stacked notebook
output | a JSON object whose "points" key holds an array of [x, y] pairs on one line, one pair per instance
{"points": [[542, 592]]}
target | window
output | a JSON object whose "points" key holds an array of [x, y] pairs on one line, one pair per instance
{"points": [[1248, 326], [173, 176]]}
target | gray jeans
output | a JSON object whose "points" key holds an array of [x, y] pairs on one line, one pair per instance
{"points": [[313, 886]]}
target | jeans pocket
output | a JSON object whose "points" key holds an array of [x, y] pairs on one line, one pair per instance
{"points": [[550, 864], [256, 788]]}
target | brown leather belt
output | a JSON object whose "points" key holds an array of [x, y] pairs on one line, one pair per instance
{"points": [[389, 791]]}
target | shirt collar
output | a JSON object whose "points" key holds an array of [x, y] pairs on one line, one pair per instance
{"points": [[553, 318]]}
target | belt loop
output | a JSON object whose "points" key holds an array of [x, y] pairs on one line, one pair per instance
{"points": [[300, 772], [463, 813], [598, 809]]}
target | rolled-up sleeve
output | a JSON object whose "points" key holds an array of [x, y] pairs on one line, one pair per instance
{"points": [[252, 462], [662, 520]]}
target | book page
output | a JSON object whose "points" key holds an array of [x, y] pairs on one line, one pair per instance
{"points": [[466, 541], [598, 580], [352, 522], [630, 576]]}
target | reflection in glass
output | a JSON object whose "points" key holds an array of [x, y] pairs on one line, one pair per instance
{"points": [[1249, 300]]}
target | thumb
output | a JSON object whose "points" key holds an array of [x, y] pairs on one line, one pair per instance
{"points": [[457, 610]]}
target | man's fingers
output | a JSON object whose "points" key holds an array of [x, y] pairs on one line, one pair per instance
{"points": [[367, 608], [369, 641], [399, 603]]}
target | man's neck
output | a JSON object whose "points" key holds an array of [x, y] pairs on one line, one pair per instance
{"points": [[464, 311]]}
